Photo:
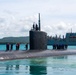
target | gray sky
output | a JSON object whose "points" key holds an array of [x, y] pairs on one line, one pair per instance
{"points": [[17, 16]]}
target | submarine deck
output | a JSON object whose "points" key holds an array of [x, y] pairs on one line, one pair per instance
{"points": [[11, 55]]}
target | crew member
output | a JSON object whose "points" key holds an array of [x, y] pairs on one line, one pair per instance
{"points": [[7, 46]]}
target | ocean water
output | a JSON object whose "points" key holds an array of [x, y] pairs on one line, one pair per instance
{"points": [[62, 65], [69, 47], [22, 47]]}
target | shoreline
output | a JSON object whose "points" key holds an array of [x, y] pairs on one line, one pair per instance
{"points": [[13, 55]]}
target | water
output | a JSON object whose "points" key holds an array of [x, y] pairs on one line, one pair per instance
{"points": [[62, 65], [22, 47], [69, 47]]}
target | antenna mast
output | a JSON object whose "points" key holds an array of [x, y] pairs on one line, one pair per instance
{"points": [[39, 23], [71, 30]]}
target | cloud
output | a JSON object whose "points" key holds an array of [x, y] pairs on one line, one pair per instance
{"points": [[60, 28], [17, 16], [2, 20], [12, 25]]}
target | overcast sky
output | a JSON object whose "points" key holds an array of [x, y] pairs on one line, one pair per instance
{"points": [[17, 16]]}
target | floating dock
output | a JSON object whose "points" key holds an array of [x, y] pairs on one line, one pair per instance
{"points": [[11, 55]]}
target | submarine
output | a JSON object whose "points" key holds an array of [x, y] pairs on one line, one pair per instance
{"points": [[38, 45]]}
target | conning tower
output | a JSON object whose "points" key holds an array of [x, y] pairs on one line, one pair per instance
{"points": [[38, 38]]}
